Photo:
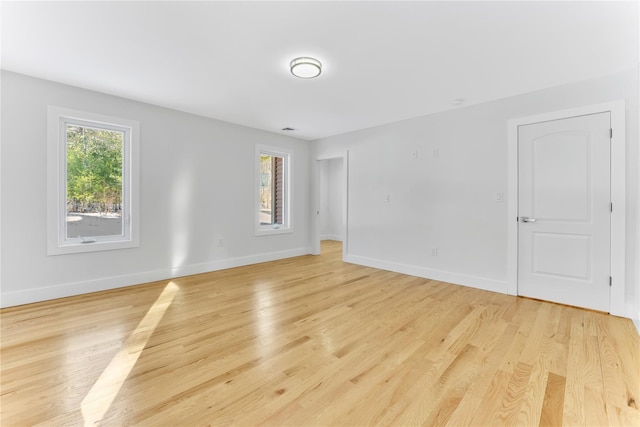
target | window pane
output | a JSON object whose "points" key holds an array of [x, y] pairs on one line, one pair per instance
{"points": [[266, 193], [271, 190], [278, 190], [94, 181]]}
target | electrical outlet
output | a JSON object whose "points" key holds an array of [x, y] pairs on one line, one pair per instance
{"points": [[436, 153], [414, 155], [434, 251]]}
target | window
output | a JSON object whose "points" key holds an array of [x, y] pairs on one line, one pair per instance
{"points": [[92, 185], [272, 213]]}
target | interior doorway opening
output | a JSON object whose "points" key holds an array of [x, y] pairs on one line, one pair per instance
{"points": [[331, 203], [331, 200]]}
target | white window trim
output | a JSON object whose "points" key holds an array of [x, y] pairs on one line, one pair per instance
{"points": [[57, 243], [287, 227]]}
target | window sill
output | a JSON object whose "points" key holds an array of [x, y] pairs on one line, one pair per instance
{"points": [[75, 248], [268, 231]]}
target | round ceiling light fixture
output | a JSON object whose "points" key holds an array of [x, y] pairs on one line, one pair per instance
{"points": [[305, 67]]}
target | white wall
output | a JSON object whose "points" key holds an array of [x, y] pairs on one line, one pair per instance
{"points": [[401, 207], [331, 196], [197, 185], [197, 178], [636, 316]]}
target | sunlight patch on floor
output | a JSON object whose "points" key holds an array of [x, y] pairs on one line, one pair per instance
{"points": [[101, 396]]}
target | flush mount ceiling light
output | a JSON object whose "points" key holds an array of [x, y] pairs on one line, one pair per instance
{"points": [[305, 67]]}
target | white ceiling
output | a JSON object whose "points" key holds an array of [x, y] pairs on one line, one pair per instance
{"points": [[383, 61]]}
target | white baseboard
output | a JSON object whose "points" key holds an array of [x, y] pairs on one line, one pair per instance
{"points": [[335, 237], [636, 322], [10, 299], [428, 273]]}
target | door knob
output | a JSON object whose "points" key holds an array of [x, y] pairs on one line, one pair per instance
{"points": [[527, 219]]}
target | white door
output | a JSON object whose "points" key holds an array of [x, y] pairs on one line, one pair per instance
{"points": [[564, 211]]}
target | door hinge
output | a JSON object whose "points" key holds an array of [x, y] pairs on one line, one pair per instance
{"points": [[611, 207], [610, 280], [610, 133]]}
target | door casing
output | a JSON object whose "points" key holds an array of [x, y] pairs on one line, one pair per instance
{"points": [[618, 195]]}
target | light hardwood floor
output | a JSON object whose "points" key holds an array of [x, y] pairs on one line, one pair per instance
{"points": [[314, 341]]}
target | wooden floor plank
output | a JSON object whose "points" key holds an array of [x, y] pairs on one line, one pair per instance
{"points": [[621, 383], [574, 410], [553, 401], [314, 341]]}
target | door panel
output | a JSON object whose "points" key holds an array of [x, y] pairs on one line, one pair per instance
{"points": [[564, 186], [562, 255], [561, 176]]}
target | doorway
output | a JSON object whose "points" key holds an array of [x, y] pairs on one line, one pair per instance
{"points": [[331, 202], [564, 202], [567, 203]]}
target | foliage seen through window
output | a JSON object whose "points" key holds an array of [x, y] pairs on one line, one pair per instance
{"points": [[94, 181]]}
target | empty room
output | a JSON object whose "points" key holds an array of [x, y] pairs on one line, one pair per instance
{"points": [[320, 213]]}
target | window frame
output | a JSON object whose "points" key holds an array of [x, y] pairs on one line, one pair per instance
{"points": [[271, 229], [57, 241]]}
